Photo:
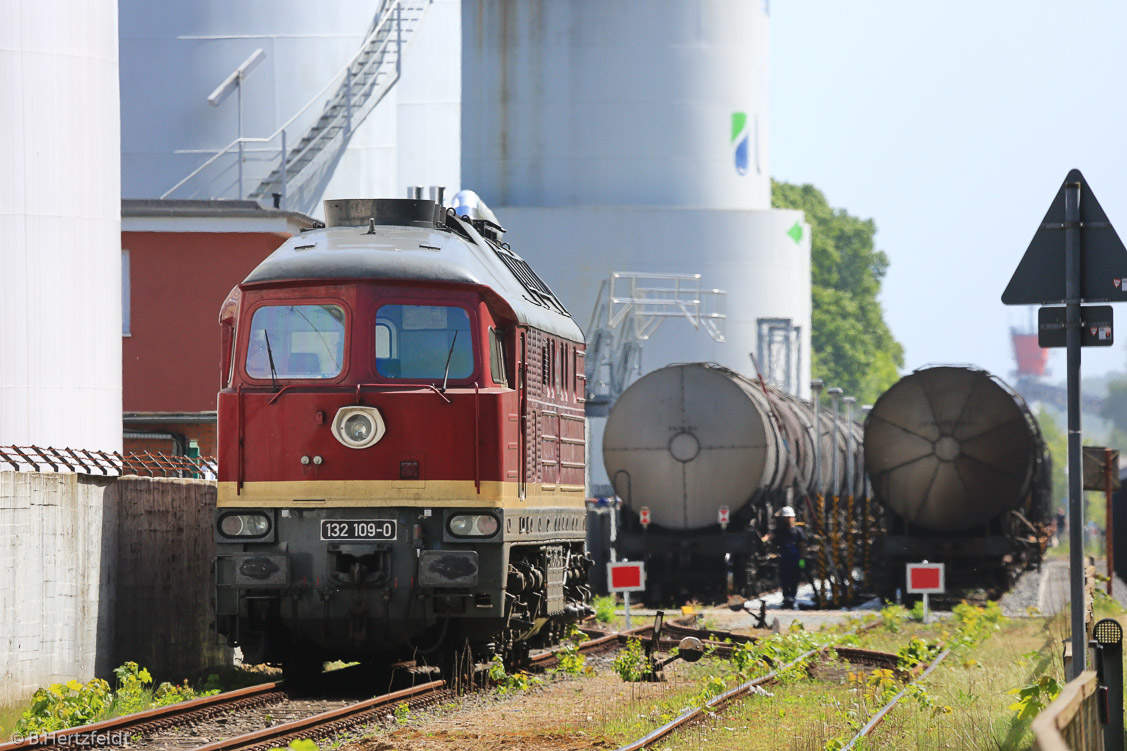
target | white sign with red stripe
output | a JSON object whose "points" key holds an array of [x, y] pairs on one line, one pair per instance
{"points": [[644, 516], [926, 578], [722, 515], [626, 576]]}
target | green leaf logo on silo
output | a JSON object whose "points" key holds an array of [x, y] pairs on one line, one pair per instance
{"points": [[740, 140]]}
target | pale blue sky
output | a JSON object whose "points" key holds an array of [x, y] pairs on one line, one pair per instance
{"points": [[953, 125]]}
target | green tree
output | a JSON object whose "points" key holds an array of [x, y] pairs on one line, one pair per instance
{"points": [[1115, 410], [1057, 443], [853, 347]]}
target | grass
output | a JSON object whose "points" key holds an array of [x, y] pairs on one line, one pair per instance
{"points": [[976, 687], [965, 702], [9, 715]]}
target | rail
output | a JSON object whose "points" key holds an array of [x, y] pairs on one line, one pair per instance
{"points": [[106, 464], [1071, 722], [150, 721], [860, 656], [878, 718]]}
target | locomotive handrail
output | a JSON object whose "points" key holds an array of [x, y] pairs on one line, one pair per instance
{"points": [[429, 386]]}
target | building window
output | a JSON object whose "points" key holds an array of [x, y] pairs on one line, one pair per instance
{"points": [[125, 293]]}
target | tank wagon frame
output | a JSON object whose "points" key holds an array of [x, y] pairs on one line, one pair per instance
{"points": [[401, 446]]}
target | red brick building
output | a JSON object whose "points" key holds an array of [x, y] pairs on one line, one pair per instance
{"points": [[179, 260]]}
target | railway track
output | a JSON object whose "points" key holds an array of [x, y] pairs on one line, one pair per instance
{"points": [[720, 639], [267, 715], [881, 713]]}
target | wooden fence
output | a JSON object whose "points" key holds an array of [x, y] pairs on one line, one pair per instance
{"points": [[1071, 722]]}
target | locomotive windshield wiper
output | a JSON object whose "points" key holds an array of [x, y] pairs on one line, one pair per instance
{"points": [[446, 375], [270, 355]]}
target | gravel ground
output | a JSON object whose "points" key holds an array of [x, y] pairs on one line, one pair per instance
{"points": [[723, 618], [1025, 593], [1047, 589]]}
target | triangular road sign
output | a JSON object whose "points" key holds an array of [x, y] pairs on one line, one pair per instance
{"points": [[1040, 277]]}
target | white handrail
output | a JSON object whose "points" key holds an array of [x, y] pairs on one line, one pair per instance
{"points": [[397, 4]]}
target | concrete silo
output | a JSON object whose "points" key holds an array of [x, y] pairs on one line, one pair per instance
{"points": [[637, 133], [60, 283]]}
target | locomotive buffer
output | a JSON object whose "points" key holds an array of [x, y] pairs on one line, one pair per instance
{"points": [[1076, 238]]}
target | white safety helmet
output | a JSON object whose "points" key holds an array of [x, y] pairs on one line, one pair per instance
{"points": [[786, 512]]}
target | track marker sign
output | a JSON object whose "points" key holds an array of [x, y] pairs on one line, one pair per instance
{"points": [[926, 579], [626, 576]]}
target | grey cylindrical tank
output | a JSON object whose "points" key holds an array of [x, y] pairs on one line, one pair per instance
{"points": [[687, 439], [948, 448]]}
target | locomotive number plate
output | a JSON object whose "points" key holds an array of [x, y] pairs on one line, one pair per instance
{"points": [[358, 529]]}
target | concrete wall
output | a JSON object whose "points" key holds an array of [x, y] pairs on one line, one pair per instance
{"points": [[57, 544], [97, 571]]}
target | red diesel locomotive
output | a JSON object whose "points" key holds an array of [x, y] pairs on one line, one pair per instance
{"points": [[401, 445]]}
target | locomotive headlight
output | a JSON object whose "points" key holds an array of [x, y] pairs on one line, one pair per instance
{"points": [[358, 427], [244, 525], [473, 525]]}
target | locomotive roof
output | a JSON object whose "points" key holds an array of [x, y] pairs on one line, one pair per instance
{"points": [[420, 253]]}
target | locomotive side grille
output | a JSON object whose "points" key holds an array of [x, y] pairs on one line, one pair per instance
{"points": [[530, 281]]}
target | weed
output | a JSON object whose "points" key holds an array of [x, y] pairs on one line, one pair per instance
{"points": [[508, 683], [916, 652], [302, 744], [571, 660], [66, 705], [604, 609], [402, 713], [1033, 697], [631, 663], [893, 616]]}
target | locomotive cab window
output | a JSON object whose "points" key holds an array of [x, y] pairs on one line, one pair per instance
{"points": [[497, 358], [296, 342], [431, 342]]}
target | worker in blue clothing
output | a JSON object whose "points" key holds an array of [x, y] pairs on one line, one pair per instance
{"points": [[790, 542]]}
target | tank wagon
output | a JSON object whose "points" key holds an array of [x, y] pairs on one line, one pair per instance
{"points": [[701, 458], [957, 460], [401, 445]]}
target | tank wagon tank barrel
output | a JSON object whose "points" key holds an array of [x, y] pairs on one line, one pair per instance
{"points": [[957, 460], [691, 445]]}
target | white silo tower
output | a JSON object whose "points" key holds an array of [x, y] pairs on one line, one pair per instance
{"points": [[60, 283], [392, 120], [632, 137]]}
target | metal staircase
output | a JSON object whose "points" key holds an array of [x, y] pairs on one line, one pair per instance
{"points": [[293, 176], [630, 308]]}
